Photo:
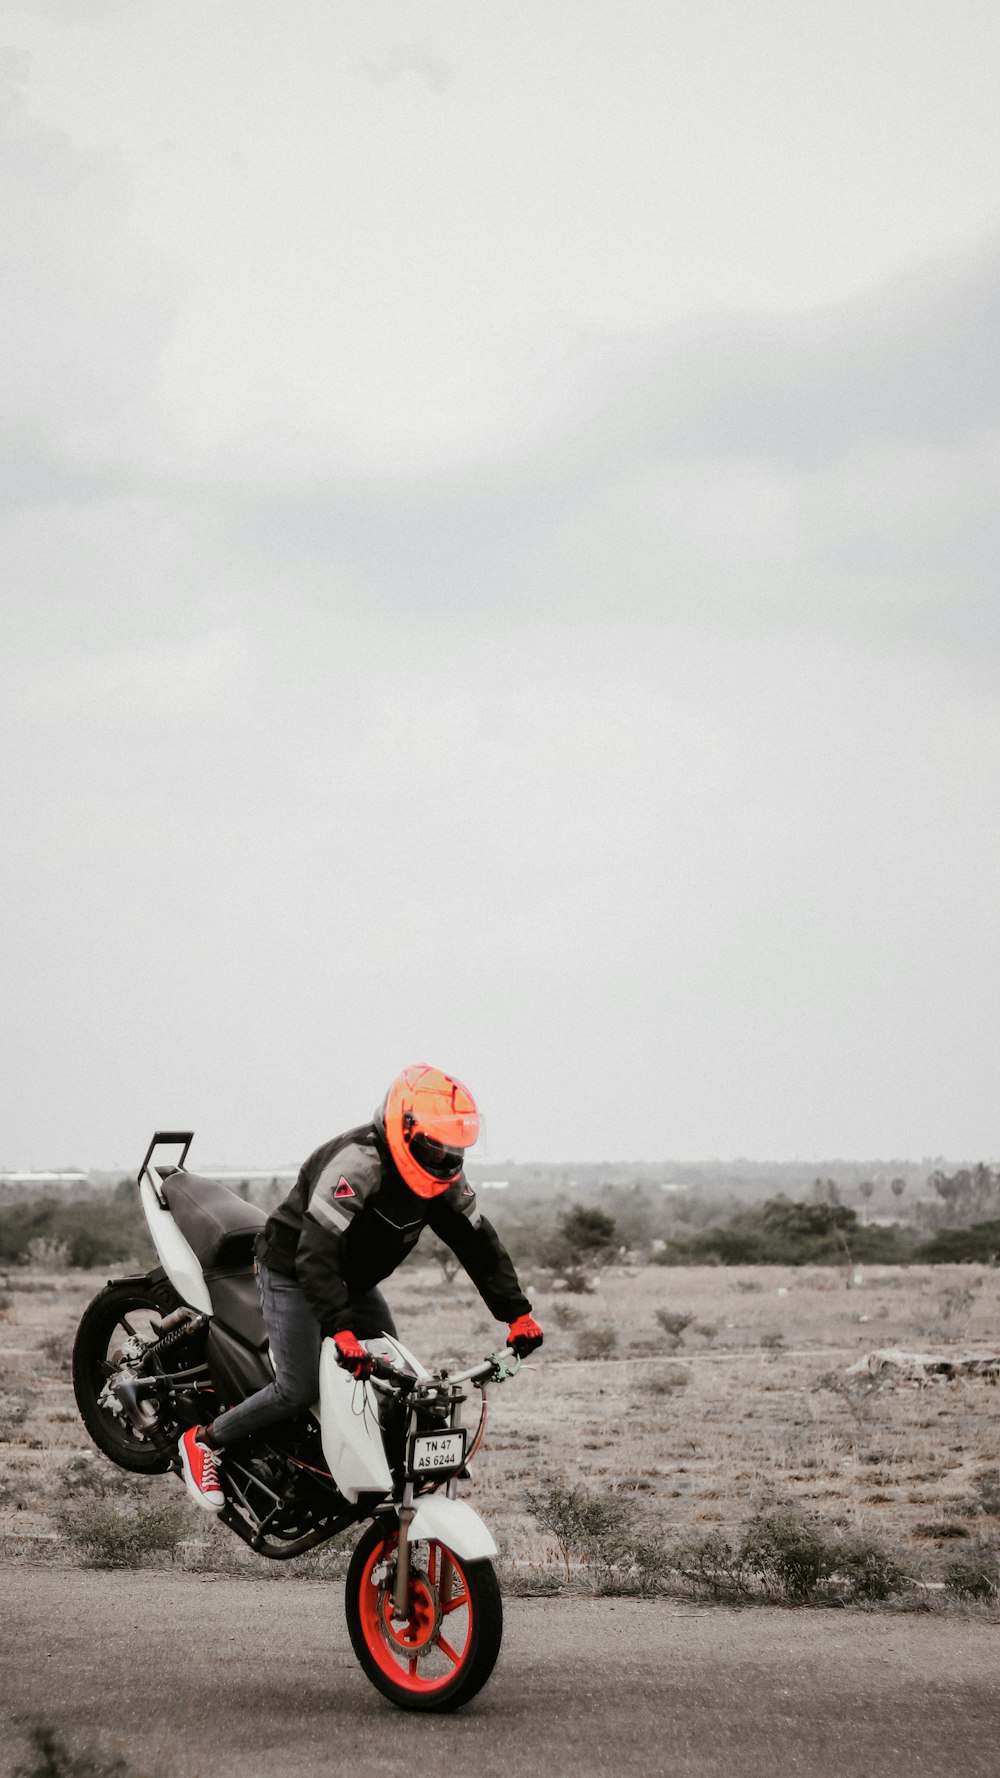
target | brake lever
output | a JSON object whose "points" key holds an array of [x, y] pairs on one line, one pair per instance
{"points": [[505, 1364]]}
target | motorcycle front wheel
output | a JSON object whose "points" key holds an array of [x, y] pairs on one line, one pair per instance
{"points": [[442, 1652], [115, 1327]]}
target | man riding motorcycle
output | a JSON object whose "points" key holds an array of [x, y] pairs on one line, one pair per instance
{"points": [[356, 1210]]}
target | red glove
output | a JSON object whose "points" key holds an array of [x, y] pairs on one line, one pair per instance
{"points": [[524, 1335], [352, 1355]]}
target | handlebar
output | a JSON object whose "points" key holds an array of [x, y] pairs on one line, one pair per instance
{"points": [[495, 1369]]}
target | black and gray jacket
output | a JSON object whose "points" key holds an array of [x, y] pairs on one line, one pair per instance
{"points": [[351, 1218]]}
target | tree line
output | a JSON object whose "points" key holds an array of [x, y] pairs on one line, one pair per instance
{"points": [[631, 1223]]}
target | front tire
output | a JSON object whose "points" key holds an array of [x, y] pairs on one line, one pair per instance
{"points": [[119, 1315], [443, 1652]]}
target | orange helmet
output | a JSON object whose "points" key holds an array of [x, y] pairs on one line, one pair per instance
{"points": [[430, 1120]]}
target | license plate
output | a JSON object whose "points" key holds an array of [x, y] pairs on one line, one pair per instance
{"points": [[430, 1451]]}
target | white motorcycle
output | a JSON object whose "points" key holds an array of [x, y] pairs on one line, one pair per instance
{"points": [[162, 1352]]}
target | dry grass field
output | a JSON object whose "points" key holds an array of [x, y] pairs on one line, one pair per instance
{"points": [[744, 1410]]}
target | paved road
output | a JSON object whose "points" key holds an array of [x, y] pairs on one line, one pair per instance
{"points": [[213, 1678]]}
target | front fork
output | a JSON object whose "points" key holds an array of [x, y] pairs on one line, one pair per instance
{"points": [[401, 1582], [401, 1586]]}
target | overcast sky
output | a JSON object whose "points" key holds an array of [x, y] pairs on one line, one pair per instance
{"points": [[499, 567]]}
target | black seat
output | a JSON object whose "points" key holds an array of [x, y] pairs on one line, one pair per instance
{"points": [[218, 1225]]}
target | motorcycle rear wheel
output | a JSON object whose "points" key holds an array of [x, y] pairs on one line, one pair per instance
{"points": [[444, 1651], [119, 1313]]}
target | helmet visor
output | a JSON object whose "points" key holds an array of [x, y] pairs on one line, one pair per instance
{"points": [[440, 1161], [446, 1128]]}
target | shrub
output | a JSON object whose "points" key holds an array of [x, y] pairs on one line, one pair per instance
{"points": [[857, 1393], [986, 1488], [526, 1237], [974, 1574], [596, 1342], [48, 1256], [871, 1570], [955, 1303], [57, 1348], [790, 1555], [15, 1406], [980, 1242], [435, 1249], [784, 1232], [20, 1224], [577, 1282], [579, 1521], [643, 1566], [108, 1537], [783, 1556], [85, 1234], [582, 1237], [87, 1473], [796, 1561], [673, 1323], [565, 1315], [666, 1380], [53, 1758], [712, 1565], [602, 1530]]}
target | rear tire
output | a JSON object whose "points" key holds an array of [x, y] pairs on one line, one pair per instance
{"points": [[443, 1653], [119, 1313]]}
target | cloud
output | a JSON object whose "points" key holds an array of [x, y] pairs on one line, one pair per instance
{"points": [[415, 57], [912, 359], [831, 472], [835, 471], [66, 12], [202, 674], [86, 303]]}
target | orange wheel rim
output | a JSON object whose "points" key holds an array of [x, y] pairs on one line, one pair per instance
{"points": [[424, 1651]]}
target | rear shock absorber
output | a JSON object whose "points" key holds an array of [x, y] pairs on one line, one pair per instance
{"points": [[182, 1324]]}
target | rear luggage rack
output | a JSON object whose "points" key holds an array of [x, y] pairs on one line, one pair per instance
{"points": [[171, 1137]]}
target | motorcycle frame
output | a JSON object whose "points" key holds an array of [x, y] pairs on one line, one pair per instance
{"points": [[350, 1431]]}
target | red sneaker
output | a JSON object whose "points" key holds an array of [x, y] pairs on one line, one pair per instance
{"points": [[201, 1472]]}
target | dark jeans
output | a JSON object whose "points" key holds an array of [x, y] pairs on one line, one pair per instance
{"points": [[295, 1340]]}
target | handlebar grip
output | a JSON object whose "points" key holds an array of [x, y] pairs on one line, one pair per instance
{"points": [[387, 1372]]}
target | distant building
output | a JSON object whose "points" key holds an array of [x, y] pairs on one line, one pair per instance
{"points": [[41, 1181]]}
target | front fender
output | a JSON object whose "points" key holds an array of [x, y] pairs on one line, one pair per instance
{"points": [[453, 1523]]}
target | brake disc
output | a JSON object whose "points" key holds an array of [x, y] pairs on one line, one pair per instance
{"points": [[426, 1609]]}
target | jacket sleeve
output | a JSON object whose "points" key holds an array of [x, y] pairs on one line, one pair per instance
{"points": [[480, 1251], [320, 1258]]}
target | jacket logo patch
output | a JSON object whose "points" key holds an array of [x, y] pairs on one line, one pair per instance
{"points": [[344, 1189]]}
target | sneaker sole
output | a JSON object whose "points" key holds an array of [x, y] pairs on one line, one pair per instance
{"points": [[201, 1499]]}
